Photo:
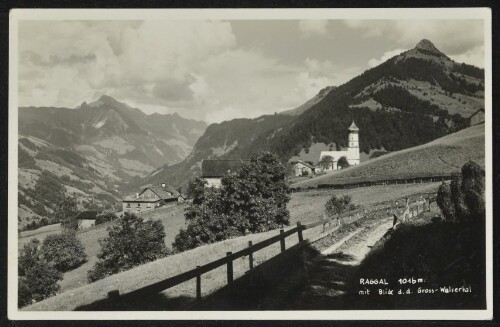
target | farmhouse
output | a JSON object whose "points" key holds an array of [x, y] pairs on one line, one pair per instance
{"points": [[151, 198], [329, 159], [303, 169], [477, 117], [212, 170]]}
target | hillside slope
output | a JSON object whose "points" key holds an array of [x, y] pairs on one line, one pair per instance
{"points": [[442, 156], [411, 99], [93, 151], [229, 139]]}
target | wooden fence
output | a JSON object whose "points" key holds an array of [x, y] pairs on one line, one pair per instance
{"points": [[196, 273], [428, 179]]}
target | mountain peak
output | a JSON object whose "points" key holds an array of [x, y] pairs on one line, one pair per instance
{"points": [[428, 46], [107, 99]]}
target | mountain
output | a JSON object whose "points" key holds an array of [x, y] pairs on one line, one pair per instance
{"points": [[311, 102], [229, 139], [95, 149], [411, 99]]}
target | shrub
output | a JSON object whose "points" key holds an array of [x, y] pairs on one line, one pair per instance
{"points": [[445, 202], [131, 242], [64, 251], [251, 200], [37, 278], [338, 205], [343, 163], [105, 217], [463, 199]]}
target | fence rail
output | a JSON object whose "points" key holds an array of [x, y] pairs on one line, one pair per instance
{"points": [[426, 179], [196, 273]]}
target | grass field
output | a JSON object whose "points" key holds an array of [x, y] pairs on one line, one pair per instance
{"points": [[305, 207], [172, 218], [439, 157]]}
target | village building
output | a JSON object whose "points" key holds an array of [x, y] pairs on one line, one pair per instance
{"points": [[303, 169], [477, 117], [329, 159], [212, 170], [151, 198], [87, 219]]}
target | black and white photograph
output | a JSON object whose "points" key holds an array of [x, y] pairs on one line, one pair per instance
{"points": [[250, 164]]}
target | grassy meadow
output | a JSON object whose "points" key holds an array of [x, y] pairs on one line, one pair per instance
{"points": [[439, 157], [305, 207]]}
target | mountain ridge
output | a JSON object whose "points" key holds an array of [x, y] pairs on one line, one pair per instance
{"points": [[410, 99]]}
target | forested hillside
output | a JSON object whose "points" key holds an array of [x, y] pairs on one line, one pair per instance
{"points": [[410, 99]]}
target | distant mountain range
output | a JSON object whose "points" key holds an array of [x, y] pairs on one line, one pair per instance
{"points": [[411, 99], [95, 149]]}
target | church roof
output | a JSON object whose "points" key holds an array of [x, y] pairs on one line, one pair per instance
{"points": [[353, 127]]}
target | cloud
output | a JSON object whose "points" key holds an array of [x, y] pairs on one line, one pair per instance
{"points": [[474, 56], [174, 90], [453, 37], [319, 74], [199, 68], [313, 27], [386, 56]]}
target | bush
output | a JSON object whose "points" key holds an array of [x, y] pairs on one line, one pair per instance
{"points": [[343, 163], [338, 205], [105, 217], [251, 200], [131, 242], [64, 251], [463, 199], [37, 278]]}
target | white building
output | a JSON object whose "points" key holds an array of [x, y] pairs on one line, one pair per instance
{"points": [[303, 169], [351, 154]]}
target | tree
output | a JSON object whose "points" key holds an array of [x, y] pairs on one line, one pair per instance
{"points": [[252, 200], [343, 163], [326, 161], [105, 217], [37, 279], [463, 199], [66, 212], [338, 205], [64, 251], [131, 242]]}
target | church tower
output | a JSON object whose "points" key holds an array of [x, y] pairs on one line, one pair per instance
{"points": [[353, 148]]}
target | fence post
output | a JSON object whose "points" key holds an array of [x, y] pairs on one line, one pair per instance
{"points": [[198, 284], [299, 231], [282, 240], [250, 255], [229, 268]]}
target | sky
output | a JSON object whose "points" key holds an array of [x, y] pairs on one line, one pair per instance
{"points": [[216, 70]]}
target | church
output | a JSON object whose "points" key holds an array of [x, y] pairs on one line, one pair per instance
{"points": [[351, 154]]}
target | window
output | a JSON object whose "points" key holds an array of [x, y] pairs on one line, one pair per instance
{"points": [[128, 205], [138, 205]]}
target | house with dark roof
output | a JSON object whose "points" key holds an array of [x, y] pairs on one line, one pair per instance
{"points": [[477, 117], [212, 170], [150, 198]]}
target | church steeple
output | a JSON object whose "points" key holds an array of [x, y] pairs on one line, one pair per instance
{"points": [[353, 127], [353, 148]]}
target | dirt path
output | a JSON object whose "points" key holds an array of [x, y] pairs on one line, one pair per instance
{"points": [[328, 275]]}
